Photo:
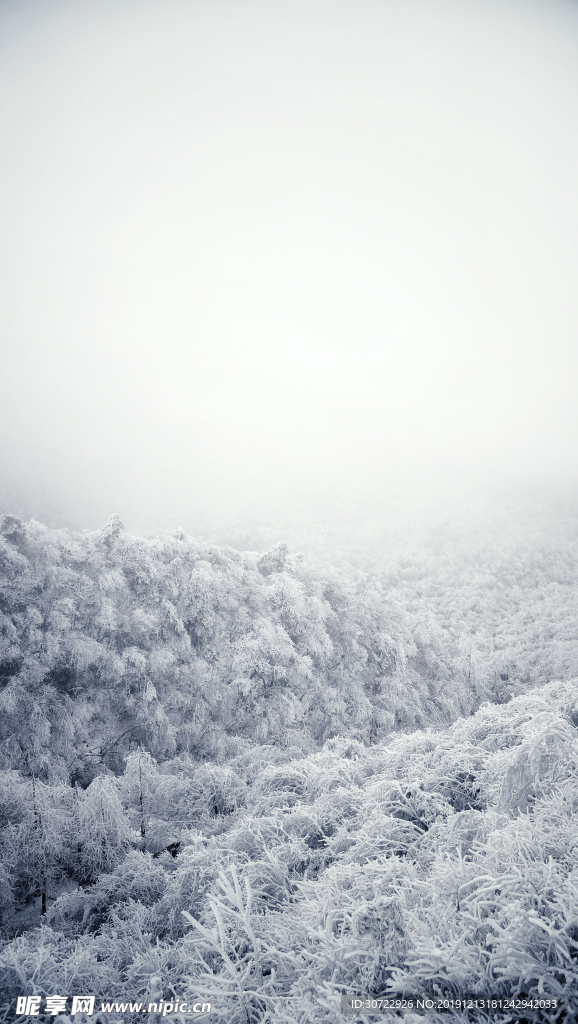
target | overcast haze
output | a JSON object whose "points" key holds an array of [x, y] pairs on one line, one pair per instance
{"points": [[252, 250]]}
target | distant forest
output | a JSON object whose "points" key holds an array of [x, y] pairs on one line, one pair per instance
{"points": [[265, 781]]}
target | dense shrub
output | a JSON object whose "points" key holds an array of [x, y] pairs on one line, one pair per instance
{"points": [[371, 878]]}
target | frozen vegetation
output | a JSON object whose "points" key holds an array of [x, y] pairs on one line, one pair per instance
{"points": [[258, 780]]}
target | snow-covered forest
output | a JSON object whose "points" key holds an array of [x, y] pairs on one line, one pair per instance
{"points": [[259, 780]]}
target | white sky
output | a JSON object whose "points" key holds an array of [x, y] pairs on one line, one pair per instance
{"points": [[283, 247]]}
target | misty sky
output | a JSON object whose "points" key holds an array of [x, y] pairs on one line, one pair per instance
{"points": [[284, 247]]}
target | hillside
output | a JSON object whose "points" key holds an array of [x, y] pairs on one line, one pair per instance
{"points": [[110, 642], [438, 864], [259, 780]]}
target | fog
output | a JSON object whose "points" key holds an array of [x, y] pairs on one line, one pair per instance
{"points": [[257, 255]]}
